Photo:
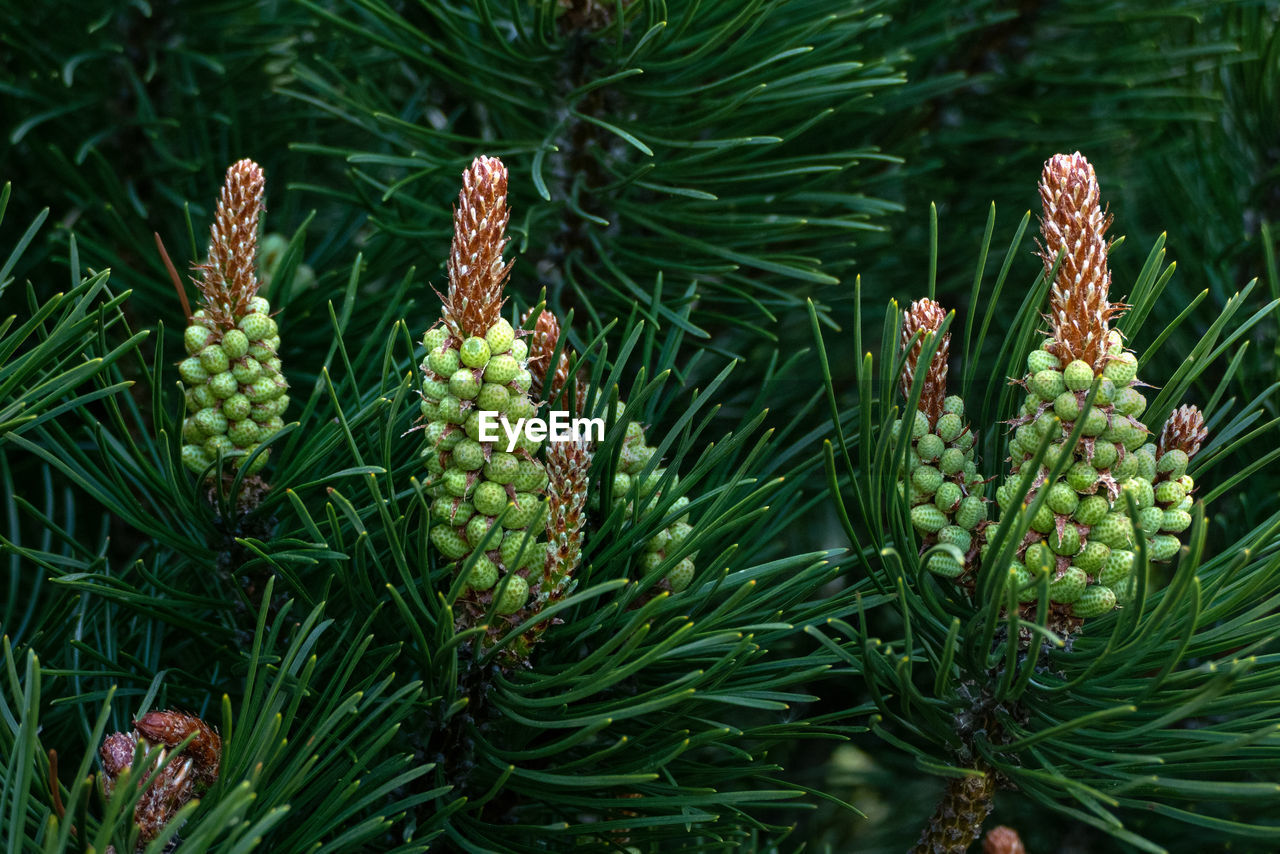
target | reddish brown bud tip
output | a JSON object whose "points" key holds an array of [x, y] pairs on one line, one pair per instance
{"points": [[542, 345], [1184, 430], [926, 316], [117, 756], [1002, 840], [477, 273], [1074, 223], [229, 278], [542, 341], [170, 728]]}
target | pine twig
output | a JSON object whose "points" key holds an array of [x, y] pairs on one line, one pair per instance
{"points": [[958, 818]]}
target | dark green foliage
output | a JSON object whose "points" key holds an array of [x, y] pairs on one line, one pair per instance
{"points": [[1159, 709], [630, 695], [130, 111], [684, 177], [697, 145], [1125, 84], [41, 372]]}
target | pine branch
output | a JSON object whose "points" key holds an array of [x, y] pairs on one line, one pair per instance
{"points": [[957, 821], [1061, 698]]}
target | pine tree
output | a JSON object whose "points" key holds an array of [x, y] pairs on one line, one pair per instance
{"points": [[1053, 656], [602, 698], [695, 662]]}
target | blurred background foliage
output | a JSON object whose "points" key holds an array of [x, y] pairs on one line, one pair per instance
{"points": [[704, 167]]}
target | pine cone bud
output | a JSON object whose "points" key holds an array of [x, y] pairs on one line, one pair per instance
{"points": [[940, 474], [1184, 431], [171, 728], [477, 271], [1180, 439], [1084, 512], [542, 341], [568, 464], [926, 316], [229, 277], [1074, 223], [1002, 840], [193, 771]]}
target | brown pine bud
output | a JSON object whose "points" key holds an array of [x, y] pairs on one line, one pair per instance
{"points": [[1184, 431], [542, 344], [926, 316], [117, 756], [174, 786], [229, 278], [477, 273], [1002, 840], [1075, 224], [170, 728], [542, 341], [567, 466]]}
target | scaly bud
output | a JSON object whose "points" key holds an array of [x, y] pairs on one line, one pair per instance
{"points": [[1184, 431], [1002, 840], [926, 316], [1074, 224], [193, 771], [477, 271], [171, 728], [542, 344], [229, 278]]}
